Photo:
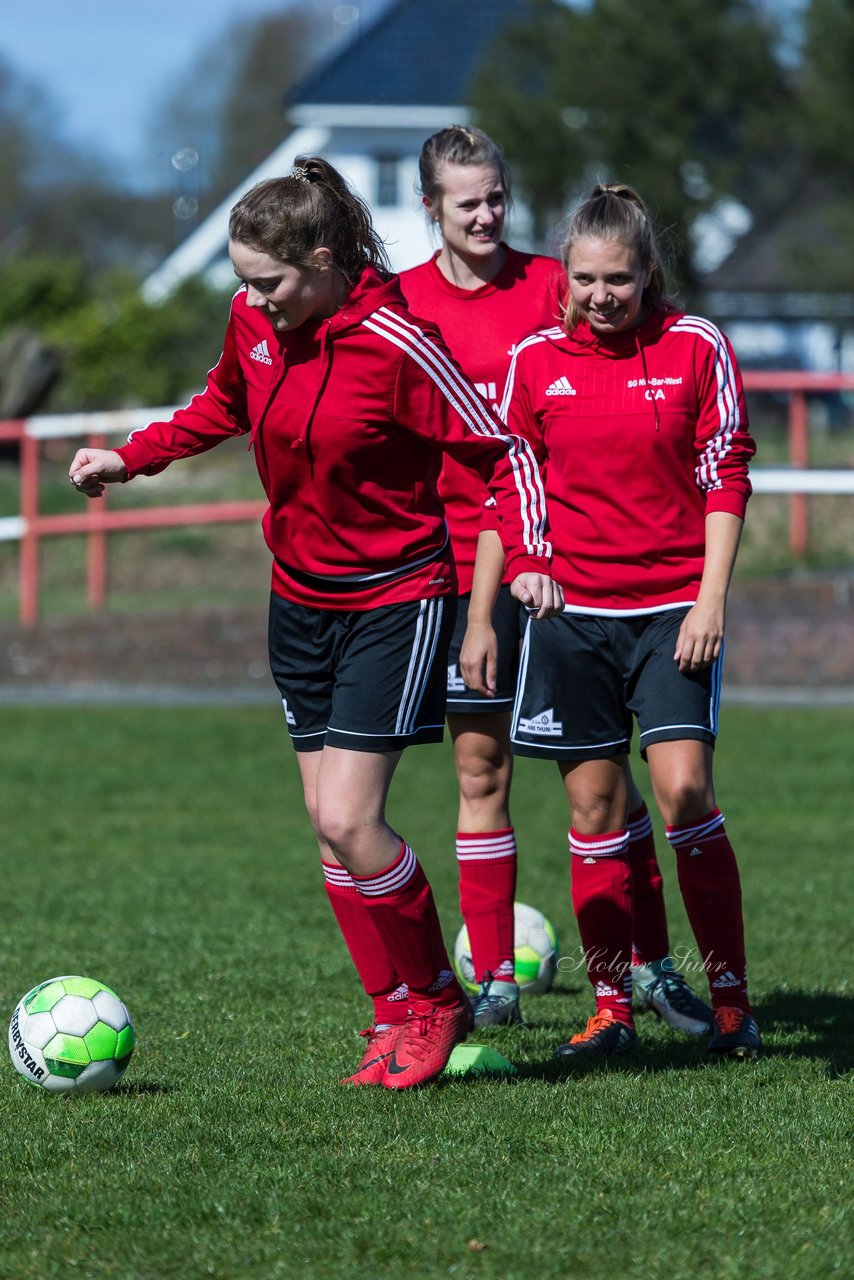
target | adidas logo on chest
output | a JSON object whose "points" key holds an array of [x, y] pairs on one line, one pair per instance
{"points": [[261, 353], [561, 387]]}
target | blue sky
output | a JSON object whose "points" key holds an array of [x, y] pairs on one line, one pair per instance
{"points": [[107, 63]]}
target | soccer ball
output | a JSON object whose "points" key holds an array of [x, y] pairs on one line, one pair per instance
{"points": [[71, 1035], [535, 949]]}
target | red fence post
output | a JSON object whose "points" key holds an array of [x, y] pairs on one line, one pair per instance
{"points": [[799, 448], [29, 563]]}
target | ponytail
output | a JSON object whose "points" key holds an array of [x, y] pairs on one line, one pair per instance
{"points": [[312, 207]]}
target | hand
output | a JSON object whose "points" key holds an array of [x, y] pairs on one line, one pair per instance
{"points": [[540, 594], [92, 469], [700, 638], [479, 658]]}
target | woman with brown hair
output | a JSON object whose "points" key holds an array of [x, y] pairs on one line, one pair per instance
{"points": [[349, 404]]}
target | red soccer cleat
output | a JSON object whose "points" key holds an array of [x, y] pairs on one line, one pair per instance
{"points": [[378, 1050], [428, 1037]]}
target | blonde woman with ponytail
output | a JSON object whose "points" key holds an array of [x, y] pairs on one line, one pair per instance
{"points": [[637, 413]]}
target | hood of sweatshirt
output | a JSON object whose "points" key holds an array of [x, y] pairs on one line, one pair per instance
{"points": [[371, 291]]}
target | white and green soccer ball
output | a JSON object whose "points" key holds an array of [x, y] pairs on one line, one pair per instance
{"points": [[535, 952], [71, 1035]]}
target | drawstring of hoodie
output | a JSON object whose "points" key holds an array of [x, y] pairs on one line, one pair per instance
{"points": [[653, 401], [303, 440]]}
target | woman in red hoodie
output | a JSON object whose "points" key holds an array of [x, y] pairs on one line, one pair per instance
{"points": [[637, 414], [349, 405], [486, 297]]}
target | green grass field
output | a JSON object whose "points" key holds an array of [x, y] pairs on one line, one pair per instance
{"points": [[166, 853]]}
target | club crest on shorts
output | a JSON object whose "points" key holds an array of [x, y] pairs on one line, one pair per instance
{"points": [[543, 724]]}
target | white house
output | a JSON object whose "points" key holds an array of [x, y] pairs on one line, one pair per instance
{"points": [[368, 110]]}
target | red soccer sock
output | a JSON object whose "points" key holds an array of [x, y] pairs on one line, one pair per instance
{"points": [[373, 963], [400, 904], [711, 890], [487, 864], [650, 940], [602, 901]]}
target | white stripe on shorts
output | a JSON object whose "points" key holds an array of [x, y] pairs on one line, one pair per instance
{"points": [[420, 663]]}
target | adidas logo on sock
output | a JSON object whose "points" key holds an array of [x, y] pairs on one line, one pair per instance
{"points": [[727, 979], [561, 387], [543, 724], [261, 353], [445, 977]]}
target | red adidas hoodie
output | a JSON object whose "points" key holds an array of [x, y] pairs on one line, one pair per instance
{"points": [[349, 417], [639, 434]]}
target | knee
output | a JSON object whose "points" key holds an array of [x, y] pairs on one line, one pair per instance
{"points": [[481, 783], [594, 814], [482, 777], [337, 827], [685, 799]]}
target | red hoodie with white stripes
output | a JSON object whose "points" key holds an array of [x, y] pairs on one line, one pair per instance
{"points": [[349, 417], [639, 435]]}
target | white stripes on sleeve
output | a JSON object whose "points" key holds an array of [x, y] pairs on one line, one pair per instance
{"points": [[729, 416], [462, 396]]}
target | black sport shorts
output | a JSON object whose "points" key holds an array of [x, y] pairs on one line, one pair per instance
{"points": [[508, 620], [369, 680], [584, 679]]}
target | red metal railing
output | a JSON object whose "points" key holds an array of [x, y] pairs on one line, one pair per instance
{"points": [[797, 385], [96, 520]]}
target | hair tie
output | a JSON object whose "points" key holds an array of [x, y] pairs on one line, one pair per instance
{"points": [[300, 173]]}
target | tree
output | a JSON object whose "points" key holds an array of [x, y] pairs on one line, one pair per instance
{"points": [[826, 87], [687, 102], [229, 108], [32, 158]]}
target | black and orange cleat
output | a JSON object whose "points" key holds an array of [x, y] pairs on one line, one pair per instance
{"points": [[736, 1034]]}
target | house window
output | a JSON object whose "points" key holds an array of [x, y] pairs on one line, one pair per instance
{"points": [[387, 183]]}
